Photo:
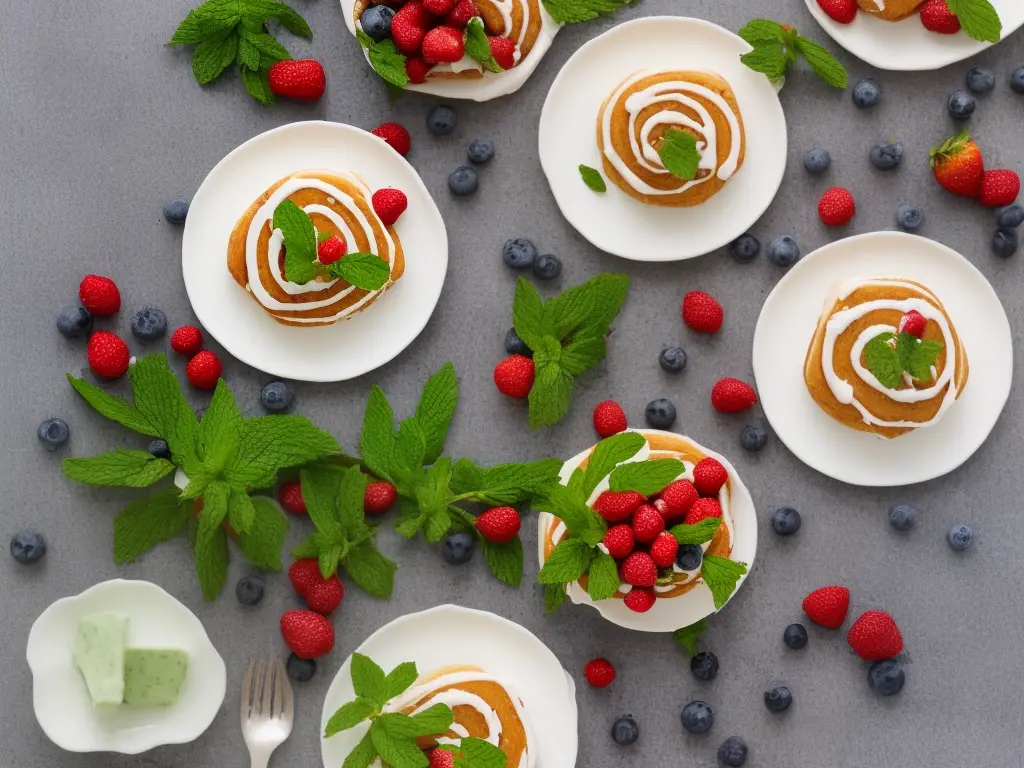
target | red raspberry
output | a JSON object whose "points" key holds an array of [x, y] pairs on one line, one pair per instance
{"points": [[304, 575], [647, 523], [99, 295], [702, 313], [441, 758], [732, 396], [640, 600], [309, 635], [619, 541], [609, 418], [503, 50], [703, 509], [913, 323], [443, 45], [108, 355], [599, 673], [331, 250], [842, 11], [325, 595], [499, 525], [408, 26], [836, 207], [438, 7], [513, 376], [709, 476], [301, 79], [204, 370], [187, 340], [639, 570], [828, 606], [664, 549], [416, 69], [461, 14], [389, 204], [378, 498], [676, 499], [395, 135], [936, 17], [616, 506], [290, 497]]}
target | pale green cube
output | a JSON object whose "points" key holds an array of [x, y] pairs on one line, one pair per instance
{"points": [[153, 676], [99, 655]]}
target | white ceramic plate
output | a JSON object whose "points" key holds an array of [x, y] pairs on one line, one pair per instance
{"points": [[614, 221], [330, 353], [906, 45], [788, 321], [156, 620], [670, 614], [451, 635]]}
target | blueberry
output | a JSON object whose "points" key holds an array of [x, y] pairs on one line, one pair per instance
{"points": [[458, 548], [885, 157], [1017, 80], [745, 248], [278, 396], [704, 665], [376, 21], [786, 521], [480, 151], [74, 321], [795, 636], [160, 449], [733, 752], [53, 433], [902, 516], [689, 556], [778, 699], [441, 120], [1004, 242], [961, 105], [697, 717], [625, 731], [28, 546], [960, 536], [300, 669], [817, 161], [753, 438], [1010, 217], [547, 267], [866, 93], [887, 677], [249, 590], [672, 359], [519, 253], [149, 324], [980, 80], [463, 181], [909, 217], [660, 413], [516, 346], [783, 251], [175, 210]]}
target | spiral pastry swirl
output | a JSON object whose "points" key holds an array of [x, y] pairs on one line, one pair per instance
{"points": [[635, 117], [338, 204], [890, 10]]}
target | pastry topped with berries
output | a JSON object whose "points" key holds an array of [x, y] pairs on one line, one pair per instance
{"points": [[890, 10]]}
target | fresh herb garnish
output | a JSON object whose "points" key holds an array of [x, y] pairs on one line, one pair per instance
{"points": [[477, 47], [363, 270], [721, 575], [577, 11], [888, 355], [687, 637], [978, 19], [777, 47], [385, 60], [679, 155], [593, 178]]}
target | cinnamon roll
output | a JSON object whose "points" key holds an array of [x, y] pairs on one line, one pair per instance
{"points": [[890, 10]]}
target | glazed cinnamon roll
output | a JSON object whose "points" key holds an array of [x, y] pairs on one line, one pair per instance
{"points": [[890, 10]]}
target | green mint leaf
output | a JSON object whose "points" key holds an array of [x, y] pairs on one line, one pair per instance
{"points": [[435, 410], [565, 313], [272, 443], [979, 19], [505, 561], [211, 57], [528, 314], [214, 511], [567, 562], [363, 270], [204, 23], [578, 11], [288, 17], [883, 361], [369, 680], [248, 54], [323, 237], [646, 477], [721, 575], [439, 522], [329, 559], [824, 64], [687, 637], [363, 755], [159, 399], [400, 679], [212, 563], [377, 440], [350, 501], [609, 292], [607, 455], [593, 178], [299, 242], [311, 546], [394, 751], [905, 344], [467, 477], [515, 483], [923, 357], [477, 46], [147, 522], [473, 752], [602, 577], [554, 596], [112, 407], [388, 63], [678, 153], [119, 468], [698, 533], [433, 721], [758, 30], [410, 448], [266, 45], [257, 85], [370, 570], [410, 518], [220, 430], [550, 395], [569, 506], [350, 715], [768, 58], [583, 353], [262, 544], [399, 725], [364, 39], [547, 351], [241, 512], [320, 486]]}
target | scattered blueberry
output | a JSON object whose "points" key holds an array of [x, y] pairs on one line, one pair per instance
{"points": [[866, 93], [660, 413], [519, 253], [733, 752], [441, 120], [278, 396], [458, 548], [885, 157], [300, 669], [376, 21], [463, 181], [783, 251], [672, 359], [909, 217], [961, 105], [745, 248], [1010, 217], [547, 267], [516, 346], [149, 324], [753, 438], [625, 731], [795, 636], [902, 517], [480, 151], [960, 536], [778, 699], [980, 80], [887, 677], [689, 556], [786, 521], [1004, 242], [1017, 80], [697, 717], [704, 665], [175, 210], [160, 449], [53, 433], [249, 590], [74, 321], [817, 161], [28, 546]]}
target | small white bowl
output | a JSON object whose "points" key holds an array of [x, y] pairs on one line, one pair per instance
{"points": [[156, 620]]}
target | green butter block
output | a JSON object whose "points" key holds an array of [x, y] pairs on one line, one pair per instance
{"points": [[153, 676], [99, 655]]}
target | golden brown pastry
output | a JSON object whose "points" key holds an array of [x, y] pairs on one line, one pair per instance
{"points": [[890, 10]]}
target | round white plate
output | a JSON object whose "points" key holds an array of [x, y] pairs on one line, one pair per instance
{"points": [[788, 321], [614, 221], [906, 45], [155, 620], [492, 84], [451, 635], [329, 353]]}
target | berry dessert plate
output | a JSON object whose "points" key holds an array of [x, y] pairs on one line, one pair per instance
{"points": [[906, 45], [155, 619], [452, 636], [617, 222], [791, 315], [344, 350]]}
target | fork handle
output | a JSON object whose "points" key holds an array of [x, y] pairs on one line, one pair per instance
{"points": [[259, 758]]}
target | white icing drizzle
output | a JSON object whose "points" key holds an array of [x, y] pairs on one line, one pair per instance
{"points": [[505, 8]]}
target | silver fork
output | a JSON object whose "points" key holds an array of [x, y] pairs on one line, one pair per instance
{"points": [[267, 709]]}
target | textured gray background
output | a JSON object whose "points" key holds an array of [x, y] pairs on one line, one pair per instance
{"points": [[100, 124]]}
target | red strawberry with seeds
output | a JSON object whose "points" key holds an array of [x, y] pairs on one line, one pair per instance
{"points": [[676, 499], [325, 595], [395, 135], [443, 45], [998, 188], [441, 758], [461, 14], [913, 323], [513, 376], [640, 600], [378, 497], [958, 165], [438, 7], [389, 204], [936, 17], [308, 634], [639, 570], [108, 355], [875, 636], [408, 26], [289, 495], [619, 541], [664, 549], [836, 207], [703, 509], [503, 49], [599, 673], [304, 575], [709, 476], [842, 11], [701, 312], [732, 396], [204, 370], [609, 418], [416, 70], [647, 523], [499, 525], [99, 295], [187, 340], [616, 506], [331, 250], [827, 606], [301, 79]]}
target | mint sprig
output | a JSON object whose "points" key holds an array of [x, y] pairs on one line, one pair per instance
{"points": [[385, 60], [679, 155], [978, 19], [577, 11], [687, 637], [593, 179], [363, 270], [299, 242], [888, 355], [776, 47], [477, 46], [721, 575]]}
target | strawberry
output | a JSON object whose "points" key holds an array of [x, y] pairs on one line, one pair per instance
{"points": [[443, 45], [408, 26], [503, 49], [709, 476], [609, 418], [647, 523], [389, 204], [204, 370], [187, 340], [875, 636], [513, 376], [331, 250], [438, 7], [304, 575], [309, 635], [958, 165], [703, 509], [998, 188], [461, 14], [827, 606], [913, 323], [732, 396], [842, 11], [289, 496], [378, 498], [99, 295], [640, 600], [936, 17], [619, 541], [301, 79], [676, 499], [701, 312], [639, 570], [441, 758], [499, 525], [599, 673], [325, 595], [836, 207], [616, 506], [664, 549], [108, 355], [395, 135], [416, 69]]}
